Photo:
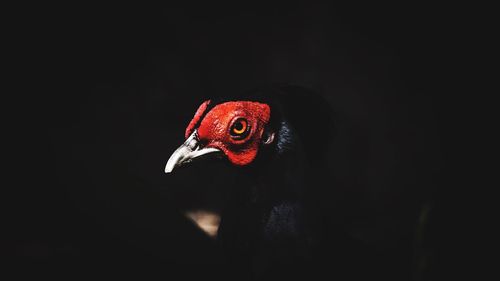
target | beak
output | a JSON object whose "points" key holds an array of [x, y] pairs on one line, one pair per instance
{"points": [[188, 151]]}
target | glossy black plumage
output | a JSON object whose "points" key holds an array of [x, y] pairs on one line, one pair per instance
{"points": [[270, 223]]}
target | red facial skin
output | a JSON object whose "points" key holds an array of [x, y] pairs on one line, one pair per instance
{"points": [[214, 129]]}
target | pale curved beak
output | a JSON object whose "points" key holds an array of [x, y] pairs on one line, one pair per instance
{"points": [[188, 151]]}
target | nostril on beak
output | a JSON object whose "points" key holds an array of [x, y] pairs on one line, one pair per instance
{"points": [[188, 151]]}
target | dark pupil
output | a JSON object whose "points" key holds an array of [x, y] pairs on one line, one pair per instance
{"points": [[238, 126]]}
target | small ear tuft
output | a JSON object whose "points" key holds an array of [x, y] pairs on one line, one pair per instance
{"points": [[268, 138]]}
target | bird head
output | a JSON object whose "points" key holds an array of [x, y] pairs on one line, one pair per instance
{"points": [[235, 130]]}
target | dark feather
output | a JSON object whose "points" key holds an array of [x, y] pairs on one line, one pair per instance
{"points": [[270, 224]]}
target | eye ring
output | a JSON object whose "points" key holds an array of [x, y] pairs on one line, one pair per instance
{"points": [[239, 129]]}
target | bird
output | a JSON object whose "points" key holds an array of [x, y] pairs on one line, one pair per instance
{"points": [[276, 140]]}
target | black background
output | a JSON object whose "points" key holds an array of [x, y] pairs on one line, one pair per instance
{"points": [[110, 90]]}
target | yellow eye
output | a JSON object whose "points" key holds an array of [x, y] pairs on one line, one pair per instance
{"points": [[239, 129]]}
